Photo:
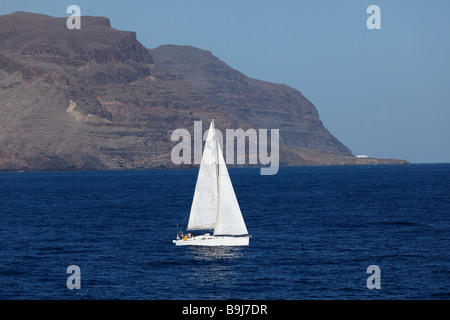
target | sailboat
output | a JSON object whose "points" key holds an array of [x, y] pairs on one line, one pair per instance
{"points": [[214, 206]]}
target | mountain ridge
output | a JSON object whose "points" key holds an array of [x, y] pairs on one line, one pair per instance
{"points": [[264, 104], [95, 99]]}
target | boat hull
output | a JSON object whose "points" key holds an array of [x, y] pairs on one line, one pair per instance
{"points": [[208, 240]]}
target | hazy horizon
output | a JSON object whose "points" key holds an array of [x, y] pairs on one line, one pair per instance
{"points": [[384, 93]]}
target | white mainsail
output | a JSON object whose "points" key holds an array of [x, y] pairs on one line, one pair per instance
{"points": [[204, 205], [215, 205]]}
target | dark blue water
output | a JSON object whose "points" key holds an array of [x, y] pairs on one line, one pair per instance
{"points": [[315, 231]]}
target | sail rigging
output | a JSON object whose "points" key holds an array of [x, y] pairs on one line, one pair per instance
{"points": [[215, 205], [204, 205]]}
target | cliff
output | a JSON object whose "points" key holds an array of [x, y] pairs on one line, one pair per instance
{"points": [[95, 98]]}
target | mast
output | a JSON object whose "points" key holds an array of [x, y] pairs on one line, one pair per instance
{"points": [[204, 204], [217, 146]]}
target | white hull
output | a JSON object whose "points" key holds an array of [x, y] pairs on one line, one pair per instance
{"points": [[208, 240]]}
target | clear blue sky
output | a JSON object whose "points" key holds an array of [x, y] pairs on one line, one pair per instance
{"points": [[384, 93]]}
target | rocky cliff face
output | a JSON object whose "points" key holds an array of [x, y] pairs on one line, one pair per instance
{"points": [[263, 104], [303, 137], [86, 99], [95, 98]]}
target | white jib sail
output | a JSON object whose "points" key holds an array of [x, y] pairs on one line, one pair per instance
{"points": [[204, 204], [229, 220]]}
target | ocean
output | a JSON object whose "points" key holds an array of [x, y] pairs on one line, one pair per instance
{"points": [[315, 232]]}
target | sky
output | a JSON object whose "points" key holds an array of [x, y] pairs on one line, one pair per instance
{"points": [[382, 92]]}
